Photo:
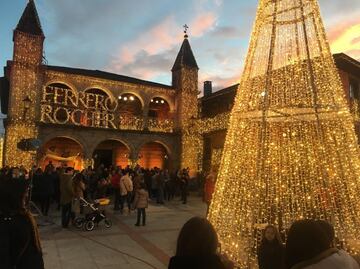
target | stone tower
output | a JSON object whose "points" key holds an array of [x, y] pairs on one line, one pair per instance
{"points": [[185, 81], [25, 86]]}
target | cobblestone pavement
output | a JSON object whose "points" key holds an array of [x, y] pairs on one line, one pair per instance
{"points": [[123, 246]]}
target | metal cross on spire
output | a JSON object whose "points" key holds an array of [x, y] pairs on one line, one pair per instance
{"points": [[186, 27]]}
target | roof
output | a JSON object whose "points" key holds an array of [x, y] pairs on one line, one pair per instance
{"points": [[225, 91], [348, 64], [29, 21], [105, 75], [185, 57]]}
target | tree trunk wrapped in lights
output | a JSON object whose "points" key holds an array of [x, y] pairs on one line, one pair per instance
{"points": [[291, 151]]}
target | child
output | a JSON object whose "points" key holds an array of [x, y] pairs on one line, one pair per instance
{"points": [[141, 202]]}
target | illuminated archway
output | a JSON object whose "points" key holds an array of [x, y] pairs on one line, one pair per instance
{"points": [[154, 154], [111, 152], [130, 105], [159, 108], [62, 151]]}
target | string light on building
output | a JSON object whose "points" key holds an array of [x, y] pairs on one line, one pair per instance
{"points": [[291, 151]]}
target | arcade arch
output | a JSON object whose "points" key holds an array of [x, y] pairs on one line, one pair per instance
{"points": [[111, 152], [159, 108], [62, 151], [154, 154], [130, 105]]}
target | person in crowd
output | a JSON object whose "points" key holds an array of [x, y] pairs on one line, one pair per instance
{"points": [[49, 166], [308, 246], [36, 182], [66, 196], [56, 181], [46, 190], [141, 202], [20, 246], [184, 182], [170, 186], [197, 246], [126, 188], [137, 180], [209, 188], [101, 188], [115, 182], [147, 179], [271, 252], [154, 184], [78, 189], [160, 187]]}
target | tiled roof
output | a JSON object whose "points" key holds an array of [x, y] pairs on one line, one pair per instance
{"points": [[348, 64], [225, 91]]}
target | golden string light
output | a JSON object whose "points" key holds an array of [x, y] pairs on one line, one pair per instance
{"points": [[291, 151], [24, 84]]}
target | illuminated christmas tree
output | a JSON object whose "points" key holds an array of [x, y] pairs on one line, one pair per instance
{"points": [[291, 151]]}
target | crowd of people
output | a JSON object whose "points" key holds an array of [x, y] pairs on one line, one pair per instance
{"points": [[310, 244], [131, 188]]}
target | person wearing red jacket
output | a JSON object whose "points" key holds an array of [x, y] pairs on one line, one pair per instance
{"points": [[209, 188]]}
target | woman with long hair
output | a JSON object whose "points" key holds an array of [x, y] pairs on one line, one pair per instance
{"points": [[197, 246], [271, 249], [19, 237]]}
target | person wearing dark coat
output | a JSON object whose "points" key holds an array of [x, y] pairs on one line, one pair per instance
{"points": [[20, 246], [197, 247], [46, 190], [271, 252]]}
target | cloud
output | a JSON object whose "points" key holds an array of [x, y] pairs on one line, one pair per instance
{"points": [[227, 31], [158, 40], [345, 37]]}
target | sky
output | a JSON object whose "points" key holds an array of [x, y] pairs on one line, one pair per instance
{"points": [[141, 38]]}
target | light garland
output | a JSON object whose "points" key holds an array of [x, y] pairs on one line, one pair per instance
{"points": [[291, 151], [191, 140], [24, 83]]}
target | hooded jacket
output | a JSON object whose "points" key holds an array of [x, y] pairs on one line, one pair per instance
{"points": [[329, 259], [141, 199]]}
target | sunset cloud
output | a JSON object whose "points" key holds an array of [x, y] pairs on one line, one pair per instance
{"points": [[159, 39], [346, 38]]}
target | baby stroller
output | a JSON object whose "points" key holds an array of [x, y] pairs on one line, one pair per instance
{"points": [[94, 215]]}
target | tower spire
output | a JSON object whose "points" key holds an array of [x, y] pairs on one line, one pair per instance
{"points": [[29, 22], [185, 56]]}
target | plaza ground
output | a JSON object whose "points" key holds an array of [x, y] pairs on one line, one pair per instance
{"points": [[123, 246]]}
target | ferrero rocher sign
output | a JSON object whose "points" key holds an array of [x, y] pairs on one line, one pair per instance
{"points": [[64, 106]]}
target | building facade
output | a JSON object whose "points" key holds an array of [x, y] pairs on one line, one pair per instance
{"points": [[89, 117], [82, 117]]}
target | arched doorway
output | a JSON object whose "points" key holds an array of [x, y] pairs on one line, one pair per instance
{"points": [[153, 154], [62, 151], [111, 152]]}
